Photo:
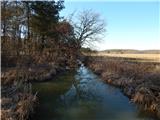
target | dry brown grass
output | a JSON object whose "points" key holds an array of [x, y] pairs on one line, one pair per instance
{"points": [[126, 69], [139, 80], [137, 57], [17, 102]]}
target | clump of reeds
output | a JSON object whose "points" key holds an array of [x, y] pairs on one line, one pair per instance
{"points": [[17, 102], [25, 106]]}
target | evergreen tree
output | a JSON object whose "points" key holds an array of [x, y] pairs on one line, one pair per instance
{"points": [[45, 16]]}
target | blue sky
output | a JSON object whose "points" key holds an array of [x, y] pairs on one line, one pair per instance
{"points": [[129, 25]]}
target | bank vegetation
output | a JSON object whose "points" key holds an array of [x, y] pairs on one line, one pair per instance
{"points": [[140, 81]]}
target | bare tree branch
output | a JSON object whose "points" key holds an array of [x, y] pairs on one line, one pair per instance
{"points": [[88, 27]]}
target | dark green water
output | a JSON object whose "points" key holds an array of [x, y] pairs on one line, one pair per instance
{"points": [[81, 95]]}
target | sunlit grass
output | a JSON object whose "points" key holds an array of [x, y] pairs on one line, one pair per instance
{"points": [[135, 57]]}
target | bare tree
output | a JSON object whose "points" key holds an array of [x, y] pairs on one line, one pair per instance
{"points": [[88, 27]]}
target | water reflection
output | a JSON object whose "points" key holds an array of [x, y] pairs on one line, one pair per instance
{"points": [[88, 98]]}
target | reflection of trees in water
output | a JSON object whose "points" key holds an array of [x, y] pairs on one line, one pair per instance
{"points": [[81, 90]]}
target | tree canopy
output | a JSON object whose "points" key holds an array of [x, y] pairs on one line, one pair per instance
{"points": [[88, 27]]}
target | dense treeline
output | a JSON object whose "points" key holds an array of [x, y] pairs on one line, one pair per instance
{"points": [[34, 28]]}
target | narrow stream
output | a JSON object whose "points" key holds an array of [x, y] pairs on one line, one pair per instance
{"points": [[81, 95]]}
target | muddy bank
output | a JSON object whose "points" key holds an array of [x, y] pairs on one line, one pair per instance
{"points": [[139, 81]]}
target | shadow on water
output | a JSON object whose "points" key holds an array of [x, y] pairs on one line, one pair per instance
{"points": [[81, 95]]}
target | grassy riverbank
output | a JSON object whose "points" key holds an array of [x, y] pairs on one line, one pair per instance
{"points": [[32, 51], [17, 100], [139, 80]]}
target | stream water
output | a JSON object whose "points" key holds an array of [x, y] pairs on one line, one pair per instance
{"points": [[81, 95]]}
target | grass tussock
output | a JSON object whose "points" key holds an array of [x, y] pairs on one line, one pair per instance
{"points": [[17, 102]]}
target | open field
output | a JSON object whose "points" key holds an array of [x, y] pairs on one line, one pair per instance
{"points": [[131, 57]]}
